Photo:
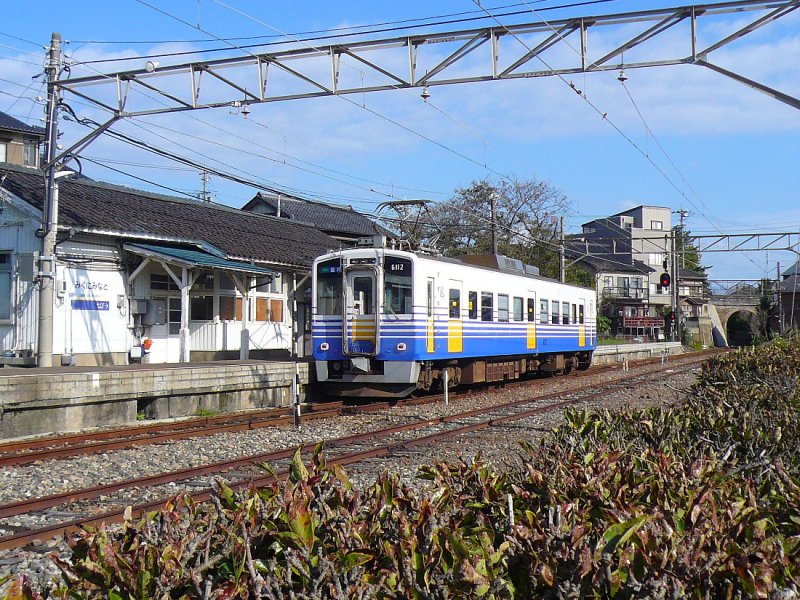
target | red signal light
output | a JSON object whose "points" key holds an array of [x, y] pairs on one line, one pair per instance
{"points": [[672, 316], [665, 280]]}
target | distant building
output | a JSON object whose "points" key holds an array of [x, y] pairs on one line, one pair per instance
{"points": [[19, 143], [626, 254], [340, 222], [790, 298]]}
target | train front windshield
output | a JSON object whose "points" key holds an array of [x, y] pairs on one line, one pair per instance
{"points": [[329, 287], [398, 297]]}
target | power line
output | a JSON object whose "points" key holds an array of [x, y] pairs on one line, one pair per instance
{"points": [[344, 98], [325, 37]]}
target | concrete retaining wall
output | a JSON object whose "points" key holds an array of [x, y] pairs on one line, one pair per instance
{"points": [[605, 355], [65, 400]]}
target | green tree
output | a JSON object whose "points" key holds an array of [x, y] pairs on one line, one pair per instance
{"points": [[688, 254]]}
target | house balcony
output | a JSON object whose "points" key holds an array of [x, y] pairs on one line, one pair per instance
{"points": [[626, 294]]}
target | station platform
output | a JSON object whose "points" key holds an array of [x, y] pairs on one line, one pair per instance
{"points": [[59, 399]]}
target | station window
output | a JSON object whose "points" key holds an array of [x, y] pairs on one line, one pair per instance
{"points": [[269, 284], [519, 308], [487, 306], [555, 314], [502, 308], [226, 282], [162, 282], [565, 313], [544, 311], [531, 310], [201, 308], [455, 303], [204, 282], [473, 305]]}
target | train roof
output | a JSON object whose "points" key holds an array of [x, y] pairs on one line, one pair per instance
{"points": [[501, 263]]}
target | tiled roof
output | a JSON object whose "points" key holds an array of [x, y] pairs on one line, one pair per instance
{"points": [[9, 122], [334, 220], [86, 204], [602, 259]]}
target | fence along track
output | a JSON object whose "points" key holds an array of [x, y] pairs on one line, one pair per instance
{"points": [[346, 456]]}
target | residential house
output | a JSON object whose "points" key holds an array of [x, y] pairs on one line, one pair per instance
{"points": [[790, 298], [19, 143], [144, 276], [627, 253]]}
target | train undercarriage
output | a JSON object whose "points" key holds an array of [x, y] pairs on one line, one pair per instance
{"points": [[341, 378]]}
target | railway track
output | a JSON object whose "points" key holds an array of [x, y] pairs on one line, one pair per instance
{"points": [[344, 450], [28, 451]]}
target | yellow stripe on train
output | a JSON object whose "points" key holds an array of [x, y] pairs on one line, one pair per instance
{"points": [[455, 336]]}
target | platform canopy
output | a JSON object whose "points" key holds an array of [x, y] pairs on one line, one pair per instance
{"points": [[194, 258]]}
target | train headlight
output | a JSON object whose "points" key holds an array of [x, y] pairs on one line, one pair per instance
{"points": [[324, 346], [401, 347]]}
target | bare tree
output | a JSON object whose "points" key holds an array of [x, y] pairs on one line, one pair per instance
{"points": [[526, 218]]}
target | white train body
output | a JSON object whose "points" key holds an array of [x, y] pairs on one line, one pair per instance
{"points": [[386, 322]]}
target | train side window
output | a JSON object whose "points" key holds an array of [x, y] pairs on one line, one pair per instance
{"points": [[518, 309], [565, 313], [574, 314], [556, 312], [531, 310], [580, 314], [455, 304], [487, 306], [502, 308], [473, 305], [544, 311]]}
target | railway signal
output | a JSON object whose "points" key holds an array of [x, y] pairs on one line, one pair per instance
{"points": [[665, 280]]}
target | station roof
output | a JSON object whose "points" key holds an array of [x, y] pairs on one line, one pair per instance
{"points": [[191, 257], [127, 213]]}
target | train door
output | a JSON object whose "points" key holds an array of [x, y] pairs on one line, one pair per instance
{"points": [[361, 313], [455, 325]]}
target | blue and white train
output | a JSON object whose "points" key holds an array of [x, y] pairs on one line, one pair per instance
{"points": [[386, 322]]}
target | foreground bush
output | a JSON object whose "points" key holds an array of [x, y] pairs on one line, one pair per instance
{"points": [[700, 500]]}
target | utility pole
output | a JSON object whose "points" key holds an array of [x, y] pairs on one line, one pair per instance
{"points": [[779, 298], [562, 254], [47, 260], [674, 283], [205, 177], [493, 199], [683, 213]]}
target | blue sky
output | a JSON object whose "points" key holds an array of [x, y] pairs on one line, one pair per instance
{"points": [[682, 137]]}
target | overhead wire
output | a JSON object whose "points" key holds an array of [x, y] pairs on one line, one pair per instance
{"points": [[323, 37], [344, 98], [604, 115]]}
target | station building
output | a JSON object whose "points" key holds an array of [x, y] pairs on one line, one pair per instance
{"points": [[144, 277]]}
